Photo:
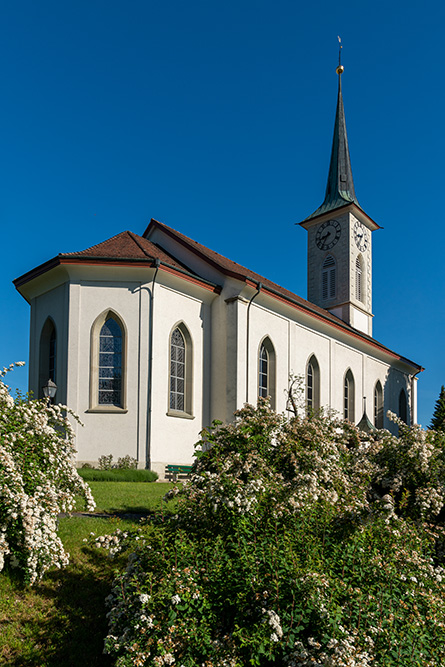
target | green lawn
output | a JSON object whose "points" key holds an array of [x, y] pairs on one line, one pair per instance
{"points": [[131, 497], [61, 621]]}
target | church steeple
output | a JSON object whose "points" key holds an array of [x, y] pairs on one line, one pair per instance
{"points": [[340, 186], [339, 239]]}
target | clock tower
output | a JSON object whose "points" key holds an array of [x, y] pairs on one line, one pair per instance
{"points": [[339, 239]]}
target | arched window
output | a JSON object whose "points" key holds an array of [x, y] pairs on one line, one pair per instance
{"points": [[349, 396], [110, 364], [108, 361], [359, 292], [263, 377], [47, 355], [378, 405], [328, 278], [177, 371], [403, 406], [52, 356], [266, 371], [180, 390], [312, 385]]}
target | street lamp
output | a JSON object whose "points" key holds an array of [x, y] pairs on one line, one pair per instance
{"points": [[49, 390]]}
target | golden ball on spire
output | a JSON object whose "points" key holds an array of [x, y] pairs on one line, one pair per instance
{"points": [[340, 69]]}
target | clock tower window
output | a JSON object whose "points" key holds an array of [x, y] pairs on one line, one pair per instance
{"points": [[328, 278], [358, 280]]}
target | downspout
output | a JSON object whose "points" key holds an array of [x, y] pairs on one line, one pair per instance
{"points": [[413, 376], [259, 287], [156, 265]]}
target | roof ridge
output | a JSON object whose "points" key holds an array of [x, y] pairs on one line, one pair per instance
{"points": [[201, 245], [133, 236], [96, 245], [275, 287]]}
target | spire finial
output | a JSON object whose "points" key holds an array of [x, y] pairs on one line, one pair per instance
{"points": [[340, 69]]}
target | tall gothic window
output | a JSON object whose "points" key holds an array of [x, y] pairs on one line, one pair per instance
{"points": [[52, 356], [263, 378], [177, 371], [312, 385], [107, 364], [47, 354], [403, 406], [266, 371], [378, 405], [328, 278], [348, 396], [110, 364], [181, 366], [359, 295]]}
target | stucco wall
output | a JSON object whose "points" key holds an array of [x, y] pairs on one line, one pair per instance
{"points": [[216, 327]]}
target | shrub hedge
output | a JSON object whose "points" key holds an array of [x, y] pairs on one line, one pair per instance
{"points": [[116, 475]]}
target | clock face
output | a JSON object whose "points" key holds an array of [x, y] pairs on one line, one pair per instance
{"points": [[360, 236], [328, 234]]}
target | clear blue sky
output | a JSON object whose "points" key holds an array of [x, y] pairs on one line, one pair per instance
{"points": [[216, 118]]}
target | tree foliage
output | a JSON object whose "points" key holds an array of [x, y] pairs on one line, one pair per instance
{"points": [[296, 542], [438, 420]]}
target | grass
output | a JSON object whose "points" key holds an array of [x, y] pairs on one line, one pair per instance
{"points": [[94, 475], [128, 497], [61, 621]]}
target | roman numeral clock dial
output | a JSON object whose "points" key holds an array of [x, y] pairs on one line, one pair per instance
{"points": [[328, 234], [360, 237]]}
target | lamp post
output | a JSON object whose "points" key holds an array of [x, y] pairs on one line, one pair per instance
{"points": [[49, 390]]}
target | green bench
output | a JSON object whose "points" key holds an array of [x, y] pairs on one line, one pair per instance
{"points": [[174, 470]]}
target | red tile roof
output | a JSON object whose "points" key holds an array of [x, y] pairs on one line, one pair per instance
{"points": [[124, 248], [130, 248], [230, 268], [126, 245]]}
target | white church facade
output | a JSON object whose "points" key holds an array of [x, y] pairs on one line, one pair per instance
{"points": [[150, 338]]}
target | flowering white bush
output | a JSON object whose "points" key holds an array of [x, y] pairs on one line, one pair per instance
{"points": [[296, 543], [38, 480]]}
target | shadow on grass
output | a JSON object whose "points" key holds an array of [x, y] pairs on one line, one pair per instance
{"points": [[72, 633], [135, 512]]}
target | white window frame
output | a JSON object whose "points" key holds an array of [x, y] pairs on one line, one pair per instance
{"points": [[94, 405], [349, 396], [187, 412], [313, 392], [267, 389], [48, 331], [378, 405]]}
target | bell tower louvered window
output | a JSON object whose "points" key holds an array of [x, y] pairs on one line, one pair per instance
{"points": [[358, 280], [328, 278]]}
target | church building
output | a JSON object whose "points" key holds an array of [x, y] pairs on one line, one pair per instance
{"points": [[149, 338]]}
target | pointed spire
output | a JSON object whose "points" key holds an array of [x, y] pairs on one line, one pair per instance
{"points": [[340, 187], [364, 423]]}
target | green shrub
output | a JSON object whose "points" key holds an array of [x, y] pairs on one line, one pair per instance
{"points": [[105, 462], [126, 463], [296, 542], [38, 481], [123, 463], [117, 475]]}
